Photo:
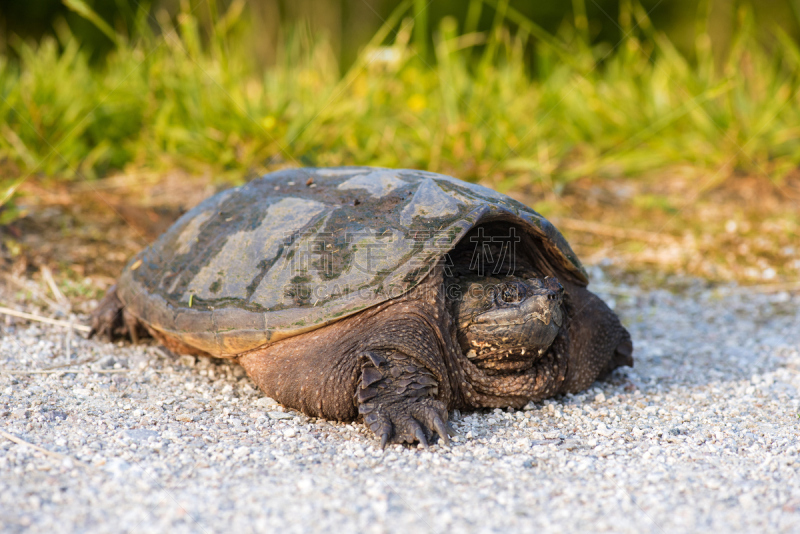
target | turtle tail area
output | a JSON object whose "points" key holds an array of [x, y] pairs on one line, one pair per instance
{"points": [[110, 321]]}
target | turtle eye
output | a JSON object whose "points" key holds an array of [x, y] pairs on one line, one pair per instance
{"points": [[510, 293]]}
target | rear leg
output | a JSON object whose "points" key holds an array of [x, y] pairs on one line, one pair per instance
{"points": [[111, 321], [599, 342]]}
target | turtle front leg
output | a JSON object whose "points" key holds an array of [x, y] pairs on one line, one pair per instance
{"points": [[397, 399]]}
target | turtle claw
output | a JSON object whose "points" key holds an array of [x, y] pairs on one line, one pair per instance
{"points": [[407, 421], [432, 415], [452, 432], [442, 430], [420, 435]]}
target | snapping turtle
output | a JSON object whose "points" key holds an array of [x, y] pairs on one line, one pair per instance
{"points": [[392, 296]]}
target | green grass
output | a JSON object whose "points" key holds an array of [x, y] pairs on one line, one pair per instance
{"points": [[473, 106]]}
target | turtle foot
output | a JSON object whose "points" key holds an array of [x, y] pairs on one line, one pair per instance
{"points": [[408, 421], [396, 398]]}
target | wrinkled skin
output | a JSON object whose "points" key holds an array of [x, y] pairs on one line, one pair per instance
{"points": [[458, 342]]}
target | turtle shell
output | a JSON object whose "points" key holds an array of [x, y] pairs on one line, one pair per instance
{"points": [[298, 249]]}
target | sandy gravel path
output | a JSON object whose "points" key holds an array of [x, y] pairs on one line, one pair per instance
{"points": [[702, 435]]}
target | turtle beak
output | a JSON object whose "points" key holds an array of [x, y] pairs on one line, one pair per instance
{"points": [[545, 304]]}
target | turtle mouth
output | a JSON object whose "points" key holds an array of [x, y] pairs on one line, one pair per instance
{"points": [[544, 309], [554, 314]]}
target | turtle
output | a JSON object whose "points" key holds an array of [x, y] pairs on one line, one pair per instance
{"points": [[387, 296]]}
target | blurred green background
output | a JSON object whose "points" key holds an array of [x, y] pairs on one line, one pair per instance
{"points": [[515, 94], [349, 24], [628, 113]]}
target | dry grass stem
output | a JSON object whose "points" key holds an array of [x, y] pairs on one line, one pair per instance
{"points": [[33, 289], [65, 371], [15, 439], [47, 276], [40, 319], [68, 364]]}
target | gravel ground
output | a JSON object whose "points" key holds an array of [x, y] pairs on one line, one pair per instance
{"points": [[702, 435]]}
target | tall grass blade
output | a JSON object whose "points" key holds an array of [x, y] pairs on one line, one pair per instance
{"points": [[190, 96], [473, 16], [81, 8], [421, 27]]}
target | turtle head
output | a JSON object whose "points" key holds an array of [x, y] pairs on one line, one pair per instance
{"points": [[507, 323]]}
